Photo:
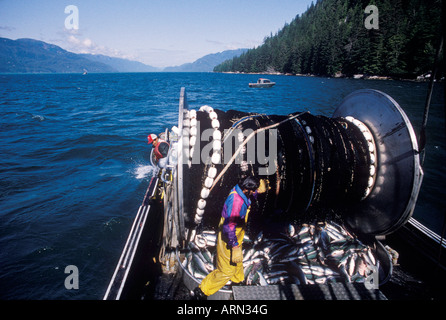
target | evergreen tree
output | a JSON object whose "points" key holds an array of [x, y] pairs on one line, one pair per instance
{"points": [[330, 38]]}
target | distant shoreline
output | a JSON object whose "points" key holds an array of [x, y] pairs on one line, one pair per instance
{"points": [[356, 76], [338, 76]]}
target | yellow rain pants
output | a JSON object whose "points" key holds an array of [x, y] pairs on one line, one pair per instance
{"points": [[226, 270]]}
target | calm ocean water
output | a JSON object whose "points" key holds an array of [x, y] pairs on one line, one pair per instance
{"points": [[74, 161]]}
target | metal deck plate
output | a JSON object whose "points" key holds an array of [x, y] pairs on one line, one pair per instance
{"points": [[332, 291]]}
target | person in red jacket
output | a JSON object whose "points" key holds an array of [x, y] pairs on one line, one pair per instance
{"points": [[161, 149]]}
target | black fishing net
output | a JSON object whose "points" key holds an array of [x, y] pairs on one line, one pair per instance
{"points": [[313, 165]]}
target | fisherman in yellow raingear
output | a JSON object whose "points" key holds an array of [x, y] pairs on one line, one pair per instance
{"points": [[231, 231]]}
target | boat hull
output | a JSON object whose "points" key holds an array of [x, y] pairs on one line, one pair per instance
{"points": [[261, 85]]}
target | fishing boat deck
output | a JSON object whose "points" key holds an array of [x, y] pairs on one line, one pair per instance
{"points": [[419, 274], [403, 285], [331, 291], [413, 278]]}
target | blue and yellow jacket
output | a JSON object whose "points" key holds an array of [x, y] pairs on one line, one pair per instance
{"points": [[234, 215]]}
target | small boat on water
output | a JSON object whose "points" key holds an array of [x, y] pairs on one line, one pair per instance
{"points": [[262, 83]]}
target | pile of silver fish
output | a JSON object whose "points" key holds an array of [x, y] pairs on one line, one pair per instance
{"points": [[306, 254]]}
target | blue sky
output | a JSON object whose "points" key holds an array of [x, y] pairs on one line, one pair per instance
{"points": [[156, 32]]}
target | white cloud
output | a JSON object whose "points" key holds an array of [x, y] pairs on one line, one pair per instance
{"points": [[76, 43], [7, 28], [234, 45], [87, 43]]}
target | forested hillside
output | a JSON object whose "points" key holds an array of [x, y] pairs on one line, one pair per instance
{"points": [[331, 38]]}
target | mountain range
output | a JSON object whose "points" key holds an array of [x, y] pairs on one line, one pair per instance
{"points": [[206, 63], [34, 56]]}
